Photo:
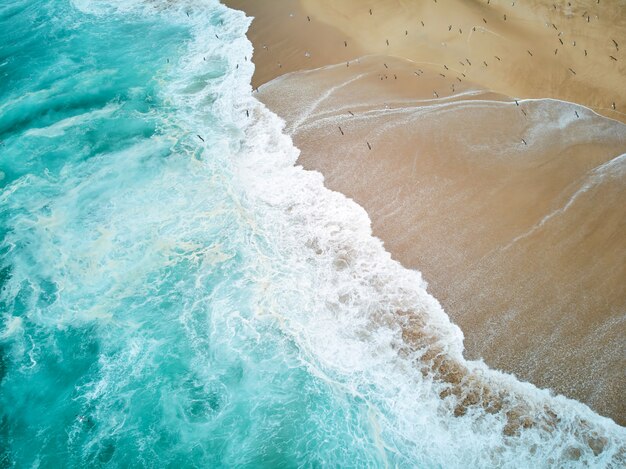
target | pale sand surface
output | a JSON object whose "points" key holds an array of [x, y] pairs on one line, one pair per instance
{"points": [[522, 244], [283, 36], [525, 42], [455, 35]]}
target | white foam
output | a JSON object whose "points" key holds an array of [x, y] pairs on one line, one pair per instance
{"points": [[614, 167], [58, 128], [13, 325]]}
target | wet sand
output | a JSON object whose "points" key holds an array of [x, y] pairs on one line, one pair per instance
{"points": [[512, 211]]}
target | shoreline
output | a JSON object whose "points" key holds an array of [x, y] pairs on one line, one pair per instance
{"points": [[519, 298], [490, 51]]}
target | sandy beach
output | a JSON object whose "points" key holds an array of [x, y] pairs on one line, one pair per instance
{"points": [[461, 139]]}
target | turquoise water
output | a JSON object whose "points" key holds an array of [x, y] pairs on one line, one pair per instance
{"points": [[174, 292], [127, 279]]}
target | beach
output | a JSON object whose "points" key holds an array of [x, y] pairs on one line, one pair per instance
{"points": [[485, 160], [283, 242]]}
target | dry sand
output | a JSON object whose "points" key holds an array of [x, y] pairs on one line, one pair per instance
{"points": [[513, 212], [523, 34], [285, 40]]}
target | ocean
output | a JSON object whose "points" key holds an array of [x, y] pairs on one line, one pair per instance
{"points": [[176, 292]]}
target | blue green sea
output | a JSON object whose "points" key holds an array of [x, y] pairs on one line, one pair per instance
{"points": [[175, 292]]}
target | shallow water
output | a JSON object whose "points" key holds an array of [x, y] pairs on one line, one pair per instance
{"points": [[176, 292]]}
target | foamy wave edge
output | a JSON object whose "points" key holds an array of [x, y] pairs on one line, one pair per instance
{"points": [[371, 320], [362, 321]]}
